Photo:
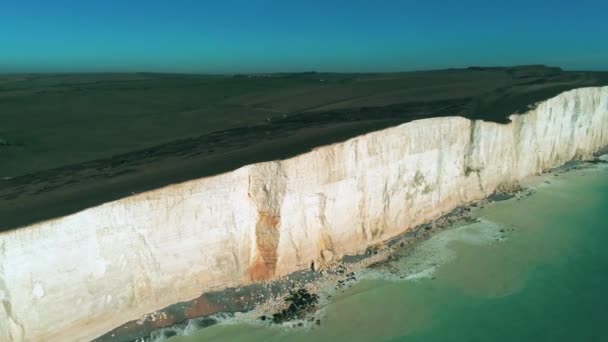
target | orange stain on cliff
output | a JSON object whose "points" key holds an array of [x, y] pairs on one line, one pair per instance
{"points": [[267, 240]]}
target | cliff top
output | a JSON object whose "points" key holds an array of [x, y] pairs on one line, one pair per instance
{"points": [[71, 141]]}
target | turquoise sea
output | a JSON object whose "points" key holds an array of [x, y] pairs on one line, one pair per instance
{"points": [[532, 269]]}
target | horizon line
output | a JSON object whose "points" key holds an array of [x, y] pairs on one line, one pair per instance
{"points": [[194, 73]]}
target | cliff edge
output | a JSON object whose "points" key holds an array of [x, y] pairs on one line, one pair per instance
{"points": [[78, 276]]}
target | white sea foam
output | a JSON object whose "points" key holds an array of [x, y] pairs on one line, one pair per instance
{"points": [[426, 273], [425, 259]]}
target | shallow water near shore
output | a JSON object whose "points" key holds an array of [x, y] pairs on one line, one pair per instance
{"points": [[530, 269]]}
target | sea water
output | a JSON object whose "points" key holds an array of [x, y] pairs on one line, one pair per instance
{"points": [[530, 269]]}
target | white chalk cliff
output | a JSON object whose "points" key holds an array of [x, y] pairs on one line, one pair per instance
{"points": [[79, 276]]}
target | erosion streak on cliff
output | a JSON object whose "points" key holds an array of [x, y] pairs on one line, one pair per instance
{"points": [[69, 277], [267, 240], [266, 194]]}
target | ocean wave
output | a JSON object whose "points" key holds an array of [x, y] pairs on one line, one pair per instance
{"points": [[423, 261]]}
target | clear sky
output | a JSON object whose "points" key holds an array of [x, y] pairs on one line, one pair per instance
{"points": [[224, 36]]}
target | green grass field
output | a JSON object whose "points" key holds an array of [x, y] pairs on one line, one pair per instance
{"points": [[76, 140]]}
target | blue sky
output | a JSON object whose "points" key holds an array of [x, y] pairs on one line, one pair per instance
{"points": [[227, 36]]}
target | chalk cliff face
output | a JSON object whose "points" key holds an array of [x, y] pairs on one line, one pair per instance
{"points": [[79, 276]]}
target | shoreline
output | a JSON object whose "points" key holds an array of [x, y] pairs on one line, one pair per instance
{"points": [[258, 302]]}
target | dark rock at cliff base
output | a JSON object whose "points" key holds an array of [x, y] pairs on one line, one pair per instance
{"points": [[300, 302], [500, 197]]}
